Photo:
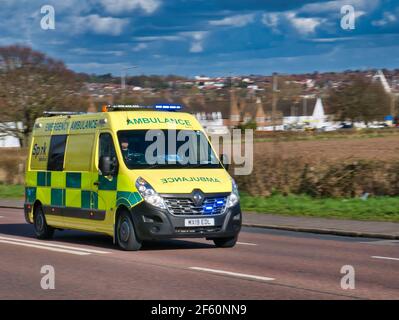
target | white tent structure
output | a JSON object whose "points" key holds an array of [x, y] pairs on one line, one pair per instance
{"points": [[318, 119]]}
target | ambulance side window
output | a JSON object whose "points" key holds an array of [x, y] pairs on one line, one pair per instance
{"points": [[56, 153], [107, 148]]}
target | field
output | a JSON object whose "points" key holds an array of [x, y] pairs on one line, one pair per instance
{"points": [[332, 150], [12, 165], [335, 166]]}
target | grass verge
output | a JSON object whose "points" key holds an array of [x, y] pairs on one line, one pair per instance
{"points": [[11, 191], [374, 208]]}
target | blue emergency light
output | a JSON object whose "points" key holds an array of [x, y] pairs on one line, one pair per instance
{"points": [[211, 208], [169, 107], [161, 107]]}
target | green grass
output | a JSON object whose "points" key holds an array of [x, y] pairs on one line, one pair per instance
{"points": [[11, 191], [374, 208]]}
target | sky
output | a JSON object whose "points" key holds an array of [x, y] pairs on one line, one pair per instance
{"points": [[208, 37]]}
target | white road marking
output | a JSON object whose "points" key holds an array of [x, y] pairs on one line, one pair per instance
{"points": [[80, 253], [233, 274], [1, 217], [247, 243], [47, 244], [382, 242], [386, 258]]}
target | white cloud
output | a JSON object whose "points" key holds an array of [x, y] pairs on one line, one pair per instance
{"points": [[100, 25], [196, 47], [158, 38], [120, 6], [303, 25], [271, 20], [386, 19], [310, 16], [328, 40], [85, 51], [335, 6], [240, 20], [140, 47], [197, 37]]}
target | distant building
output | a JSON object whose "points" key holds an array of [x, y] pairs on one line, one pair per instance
{"points": [[212, 123]]}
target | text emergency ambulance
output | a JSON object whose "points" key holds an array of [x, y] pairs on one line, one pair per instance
{"points": [[90, 171]]}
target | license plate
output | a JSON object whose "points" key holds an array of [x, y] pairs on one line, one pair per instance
{"points": [[203, 222]]}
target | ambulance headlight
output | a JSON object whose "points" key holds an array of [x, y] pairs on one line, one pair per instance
{"points": [[234, 197], [149, 194]]}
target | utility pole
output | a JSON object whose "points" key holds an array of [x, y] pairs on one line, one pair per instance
{"points": [[305, 106], [123, 79], [274, 99]]}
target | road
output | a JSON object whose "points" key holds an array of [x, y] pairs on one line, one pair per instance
{"points": [[265, 264]]}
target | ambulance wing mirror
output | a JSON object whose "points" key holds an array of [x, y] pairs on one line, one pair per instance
{"points": [[106, 166], [225, 161]]}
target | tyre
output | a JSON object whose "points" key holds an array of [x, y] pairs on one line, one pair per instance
{"points": [[125, 234], [225, 242], [42, 229]]}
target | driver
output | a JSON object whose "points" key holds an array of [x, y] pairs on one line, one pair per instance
{"points": [[125, 149]]}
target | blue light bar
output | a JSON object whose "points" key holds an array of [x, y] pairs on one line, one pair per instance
{"points": [[166, 107], [170, 107]]}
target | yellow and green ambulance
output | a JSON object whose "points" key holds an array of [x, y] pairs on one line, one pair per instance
{"points": [[128, 172]]}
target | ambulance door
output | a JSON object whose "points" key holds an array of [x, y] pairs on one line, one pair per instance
{"points": [[105, 188]]}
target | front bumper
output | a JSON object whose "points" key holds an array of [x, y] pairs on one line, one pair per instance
{"points": [[152, 223]]}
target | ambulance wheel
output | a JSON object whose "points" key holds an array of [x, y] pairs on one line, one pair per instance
{"points": [[225, 242], [125, 234], [42, 229]]}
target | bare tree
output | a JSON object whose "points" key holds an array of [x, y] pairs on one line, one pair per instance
{"points": [[30, 83], [359, 100]]}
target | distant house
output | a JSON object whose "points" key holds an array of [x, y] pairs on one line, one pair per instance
{"points": [[212, 123], [243, 112]]}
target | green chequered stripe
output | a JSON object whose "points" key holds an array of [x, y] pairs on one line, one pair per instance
{"points": [[30, 194], [127, 198], [89, 199], [43, 179], [58, 197], [105, 184], [72, 189], [86, 199], [94, 198], [73, 180]]}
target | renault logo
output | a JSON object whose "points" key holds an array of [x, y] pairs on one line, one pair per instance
{"points": [[198, 197]]}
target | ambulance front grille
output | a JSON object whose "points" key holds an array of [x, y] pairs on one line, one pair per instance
{"points": [[186, 206]]}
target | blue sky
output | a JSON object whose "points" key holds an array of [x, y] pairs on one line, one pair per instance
{"points": [[211, 37]]}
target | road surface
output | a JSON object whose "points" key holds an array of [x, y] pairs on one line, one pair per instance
{"points": [[265, 264]]}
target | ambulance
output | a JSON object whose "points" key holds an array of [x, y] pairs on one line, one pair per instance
{"points": [[129, 172]]}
